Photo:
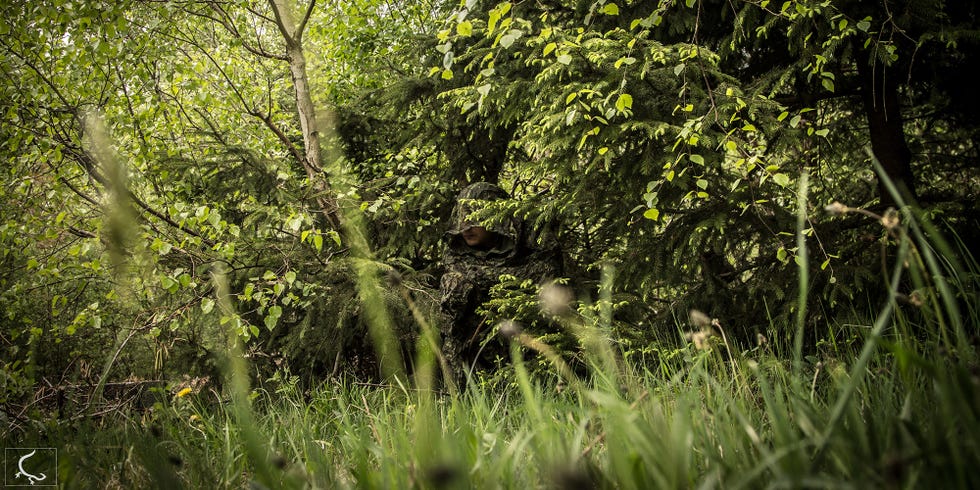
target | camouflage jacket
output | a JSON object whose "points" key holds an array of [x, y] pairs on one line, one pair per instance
{"points": [[470, 273]]}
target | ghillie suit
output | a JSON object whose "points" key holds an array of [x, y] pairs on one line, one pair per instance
{"points": [[331, 336], [469, 273]]}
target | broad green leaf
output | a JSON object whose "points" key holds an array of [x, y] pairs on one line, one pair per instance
{"points": [[625, 101], [652, 213], [508, 39], [610, 9], [628, 60]]}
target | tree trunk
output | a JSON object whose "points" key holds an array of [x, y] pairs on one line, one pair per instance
{"points": [[313, 161], [879, 91]]}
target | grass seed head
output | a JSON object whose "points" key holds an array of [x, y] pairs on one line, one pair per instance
{"points": [[556, 300], [835, 208], [509, 329], [699, 319]]}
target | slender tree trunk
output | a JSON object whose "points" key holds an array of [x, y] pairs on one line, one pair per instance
{"points": [[313, 161], [879, 89]]}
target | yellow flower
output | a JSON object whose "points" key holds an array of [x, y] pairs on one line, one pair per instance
{"points": [[184, 392]]}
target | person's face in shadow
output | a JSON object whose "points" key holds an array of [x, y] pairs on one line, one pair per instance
{"points": [[479, 237]]}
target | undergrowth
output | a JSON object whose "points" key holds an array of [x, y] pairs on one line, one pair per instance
{"points": [[887, 400]]}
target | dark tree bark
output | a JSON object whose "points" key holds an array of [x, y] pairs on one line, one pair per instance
{"points": [[879, 91]]}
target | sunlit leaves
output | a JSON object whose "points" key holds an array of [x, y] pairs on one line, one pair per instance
{"points": [[624, 102], [610, 9]]}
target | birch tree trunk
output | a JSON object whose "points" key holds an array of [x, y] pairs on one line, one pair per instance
{"points": [[313, 160]]}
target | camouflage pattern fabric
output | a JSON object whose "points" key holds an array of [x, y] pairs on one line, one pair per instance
{"points": [[470, 273]]}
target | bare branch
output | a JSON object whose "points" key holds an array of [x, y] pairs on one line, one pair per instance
{"points": [[306, 17], [282, 19]]}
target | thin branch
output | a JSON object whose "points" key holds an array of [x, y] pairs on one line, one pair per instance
{"points": [[280, 23], [229, 26], [306, 17], [267, 119]]}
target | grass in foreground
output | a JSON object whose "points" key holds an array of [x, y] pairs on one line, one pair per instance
{"points": [[744, 421], [901, 409]]}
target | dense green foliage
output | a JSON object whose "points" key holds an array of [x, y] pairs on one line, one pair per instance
{"points": [[190, 184]]}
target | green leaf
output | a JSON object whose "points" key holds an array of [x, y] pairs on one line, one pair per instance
{"points": [[318, 242], [465, 28], [625, 101], [207, 304], [564, 59], [275, 311], [610, 9], [781, 179], [652, 214], [698, 159], [512, 35], [492, 21], [548, 48]]}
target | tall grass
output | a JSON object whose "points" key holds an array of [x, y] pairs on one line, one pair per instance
{"points": [[892, 413], [901, 409]]}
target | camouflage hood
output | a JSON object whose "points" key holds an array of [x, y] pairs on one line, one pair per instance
{"points": [[472, 199]]}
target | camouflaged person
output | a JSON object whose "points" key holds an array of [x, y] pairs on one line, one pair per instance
{"points": [[473, 261]]}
